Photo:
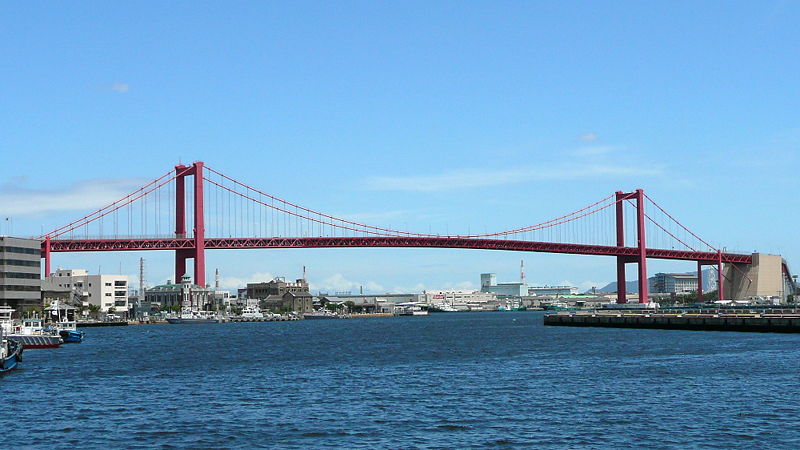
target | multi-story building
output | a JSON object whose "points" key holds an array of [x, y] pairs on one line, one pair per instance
{"points": [[674, 283], [489, 284], [552, 290], [105, 291], [20, 272], [298, 302], [278, 286], [184, 295]]}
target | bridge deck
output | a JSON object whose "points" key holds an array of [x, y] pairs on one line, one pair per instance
{"points": [[92, 245]]}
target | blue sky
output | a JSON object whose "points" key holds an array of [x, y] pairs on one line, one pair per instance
{"points": [[442, 116]]}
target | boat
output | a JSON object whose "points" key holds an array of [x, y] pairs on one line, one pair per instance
{"points": [[321, 314], [33, 334], [192, 317], [411, 309], [63, 322], [441, 307], [10, 353], [251, 312]]}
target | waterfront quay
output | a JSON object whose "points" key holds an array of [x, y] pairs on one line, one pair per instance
{"points": [[783, 321]]}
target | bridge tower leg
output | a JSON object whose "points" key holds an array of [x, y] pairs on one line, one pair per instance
{"points": [[46, 255], [642, 257], [199, 227], [622, 294], [720, 275], [180, 221], [699, 281]]}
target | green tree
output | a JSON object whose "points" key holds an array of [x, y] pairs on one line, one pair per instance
{"points": [[94, 310], [350, 305]]}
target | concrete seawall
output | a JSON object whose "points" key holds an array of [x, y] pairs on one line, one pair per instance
{"points": [[772, 323]]}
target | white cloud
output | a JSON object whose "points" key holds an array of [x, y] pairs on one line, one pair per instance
{"points": [[588, 137], [232, 283], [474, 178], [122, 88], [87, 195], [338, 283]]}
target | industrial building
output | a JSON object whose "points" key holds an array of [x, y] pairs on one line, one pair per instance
{"points": [[20, 272], [278, 286], [764, 279], [279, 294], [552, 290], [105, 291], [298, 302], [489, 284]]}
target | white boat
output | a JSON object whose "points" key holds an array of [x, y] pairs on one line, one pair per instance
{"points": [[321, 314], [62, 321], [410, 309], [251, 312], [442, 307], [192, 317], [32, 334]]}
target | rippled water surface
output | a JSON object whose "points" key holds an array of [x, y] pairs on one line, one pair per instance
{"points": [[447, 380]]}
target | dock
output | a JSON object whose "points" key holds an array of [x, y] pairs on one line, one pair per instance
{"points": [[262, 319], [752, 322], [117, 323]]}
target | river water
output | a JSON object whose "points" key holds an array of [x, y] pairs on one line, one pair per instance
{"points": [[446, 380]]}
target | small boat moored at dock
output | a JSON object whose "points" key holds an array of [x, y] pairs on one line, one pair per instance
{"points": [[31, 333], [252, 312], [411, 309], [192, 317], [62, 321], [10, 354], [321, 314]]}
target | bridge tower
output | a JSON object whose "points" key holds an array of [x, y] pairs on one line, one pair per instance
{"points": [[198, 252], [641, 257]]}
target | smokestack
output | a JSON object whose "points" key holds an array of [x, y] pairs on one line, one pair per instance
{"points": [[216, 279], [522, 271], [304, 274], [141, 277]]}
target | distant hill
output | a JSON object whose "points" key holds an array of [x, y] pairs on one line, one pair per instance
{"points": [[632, 287]]}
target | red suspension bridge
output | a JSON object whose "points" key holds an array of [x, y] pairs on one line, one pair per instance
{"points": [[215, 211]]}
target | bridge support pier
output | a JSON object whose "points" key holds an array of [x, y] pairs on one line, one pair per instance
{"points": [[46, 255], [720, 276], [699, 281], [198, 252], [641, 258], [622, 289]]}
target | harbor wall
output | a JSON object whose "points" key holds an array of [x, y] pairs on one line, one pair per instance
{"points": [[708, 322]]}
